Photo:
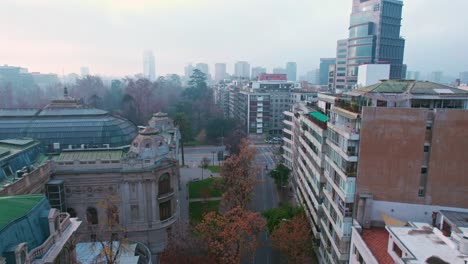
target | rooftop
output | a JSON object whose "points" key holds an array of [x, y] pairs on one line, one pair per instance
{"points": [[14, 207], [319, 116], [424, 244], [458, 219], [10, 147], [377, 241], [411, 87], [90, 155]]}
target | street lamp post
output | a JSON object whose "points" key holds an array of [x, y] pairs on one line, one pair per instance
{"points": [[213, 152]]}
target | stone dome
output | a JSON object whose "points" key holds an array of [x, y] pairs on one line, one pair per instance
{"points": [[149, 144]]}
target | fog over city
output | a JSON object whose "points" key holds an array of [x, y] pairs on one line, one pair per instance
{"points": [[110, 36]]}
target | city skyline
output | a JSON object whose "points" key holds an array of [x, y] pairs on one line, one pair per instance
{"points": [[67, 45]]}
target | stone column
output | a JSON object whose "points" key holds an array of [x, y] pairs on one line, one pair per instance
{"points": [[154, 201], [126, 214], [142, 202]]}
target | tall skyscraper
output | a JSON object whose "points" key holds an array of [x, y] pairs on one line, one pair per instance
{"points": [[324, 66], [291, 71], [374, 37], [242, 69], [436, 76], [413, 75], [203, 67], [149, 70], [84, 71], [220, 71], [188, 70], [279, 70], [256, 71]]}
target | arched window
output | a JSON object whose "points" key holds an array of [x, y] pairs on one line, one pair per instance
{"points": [[71, 212], [164, 184], [113, 215], [91, 216]]}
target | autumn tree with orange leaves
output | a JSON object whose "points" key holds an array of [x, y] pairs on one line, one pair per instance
{"points": [[231, 236], [184, 247], [238, 176], [294, 239]]}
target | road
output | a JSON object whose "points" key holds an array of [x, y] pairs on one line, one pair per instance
{"points": [[194, 155], [265, 197]]}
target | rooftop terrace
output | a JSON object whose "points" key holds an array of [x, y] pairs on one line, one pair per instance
{"points": [[14, 207]]}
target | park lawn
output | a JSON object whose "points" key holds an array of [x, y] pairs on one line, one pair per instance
{"points": [[214, 169], [196, 188], [198, 209]]}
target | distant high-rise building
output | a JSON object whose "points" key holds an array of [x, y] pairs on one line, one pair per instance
{"points": [[436, 76], [84, 71], [324, 65], [256, 71], [464, 77], [188, 70], [291, 71], [242, 69], [311, 76], [413, 75], [149, 70], [220, 71], [374, 37], [279, 70], [203, 67]]}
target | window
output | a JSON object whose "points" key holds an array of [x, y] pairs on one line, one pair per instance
{"points": [[93, 237], [164, 184], [165, 210], [135, 212], [7, 170], [423, 170], [397, 250], [91, 216], [426, 148]]}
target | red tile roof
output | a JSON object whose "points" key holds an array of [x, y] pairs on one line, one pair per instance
{"points": [[377, 241]]}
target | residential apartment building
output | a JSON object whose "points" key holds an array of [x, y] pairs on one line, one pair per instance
{"points": [[383, 149], [242, 70], [220, 71], [260, 104], [324, 69]]}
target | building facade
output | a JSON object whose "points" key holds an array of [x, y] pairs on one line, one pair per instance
{"points": [[242, 70], [149, 65], [324, 69], [142, 185], [397, 130], [291, 71], [374, 37], [220, 71]]}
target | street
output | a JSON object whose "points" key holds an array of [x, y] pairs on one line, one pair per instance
{"points": [[265, 197], [194, 155]]}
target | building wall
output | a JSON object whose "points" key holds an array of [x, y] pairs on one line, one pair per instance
{"points": [[360, 248], [448, 164], [138, 205], [391, 153], [392, 156], [370, 74]]}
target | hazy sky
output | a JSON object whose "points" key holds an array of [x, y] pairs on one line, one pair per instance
{"points": [[109, 36]]}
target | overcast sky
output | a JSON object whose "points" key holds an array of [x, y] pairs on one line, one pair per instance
{"points": [[109, 36]]}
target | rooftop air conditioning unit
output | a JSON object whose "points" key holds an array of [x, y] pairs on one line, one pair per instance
{"points": [[106, 145]]}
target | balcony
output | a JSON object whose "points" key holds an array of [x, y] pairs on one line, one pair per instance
{"points": [[165, 194], [348, 105]]}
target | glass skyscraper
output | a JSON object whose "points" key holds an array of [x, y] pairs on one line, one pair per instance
{"points": [[374, 37]]}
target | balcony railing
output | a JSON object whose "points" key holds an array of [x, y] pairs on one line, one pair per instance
{"points": [[166, 194], [348, 106]]}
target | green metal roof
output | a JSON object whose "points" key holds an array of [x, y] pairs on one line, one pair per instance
{"points": [[14, 207], [90, 155], [319, 116]]}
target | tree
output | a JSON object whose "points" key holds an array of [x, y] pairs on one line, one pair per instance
{"points": [[294, 239], [281, 175], [110, 237], [88, 86], [234, 139], [184, 247], [180, 120], [238, 177], [130, 109], [231, 236], [274, 216]]}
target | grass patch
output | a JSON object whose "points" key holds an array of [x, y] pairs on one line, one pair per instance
{"points": [[203, 188], [214, 169], [198, 209]]}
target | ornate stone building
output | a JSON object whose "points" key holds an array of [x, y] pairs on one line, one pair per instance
{"points": [[139, 184]]}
